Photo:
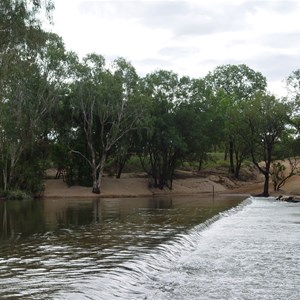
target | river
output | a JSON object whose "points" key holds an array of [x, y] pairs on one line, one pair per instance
{"points": [[150, 248]]}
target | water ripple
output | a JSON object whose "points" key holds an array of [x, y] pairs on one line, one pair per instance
{"points": [[183, 253]]}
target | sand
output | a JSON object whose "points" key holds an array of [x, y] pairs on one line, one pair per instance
{"points": [[137, 185]]}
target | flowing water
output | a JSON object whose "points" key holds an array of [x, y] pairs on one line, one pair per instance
{"points": [[171, 248]]}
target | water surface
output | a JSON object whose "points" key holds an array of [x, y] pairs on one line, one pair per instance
{"points": [[48, 246], [180, 248]]}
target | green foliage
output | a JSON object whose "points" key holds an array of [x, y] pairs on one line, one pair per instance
{"points": [[162, 143], [107, 106], [267, 118], [293, 84], [237, 81], [215, 159], [27, 92], [91, 117], [78, 173], [234, 86], [15, 195]]}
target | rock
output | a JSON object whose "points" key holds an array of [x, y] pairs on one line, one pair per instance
{"points": [[288, 199]]}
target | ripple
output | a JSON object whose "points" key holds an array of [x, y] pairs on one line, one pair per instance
{"points": [[129, 259], [244, 253]]}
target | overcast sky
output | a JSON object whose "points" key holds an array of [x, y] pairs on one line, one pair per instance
{"points": [[189, 37]]}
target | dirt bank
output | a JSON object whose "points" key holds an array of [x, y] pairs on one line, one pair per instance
{"points": [[135, 185]]}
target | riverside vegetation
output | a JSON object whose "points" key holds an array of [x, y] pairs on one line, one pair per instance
{"points": [[87, 116]]}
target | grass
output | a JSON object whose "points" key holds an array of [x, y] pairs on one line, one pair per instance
{"points": [[15, 195], [216, 159]]}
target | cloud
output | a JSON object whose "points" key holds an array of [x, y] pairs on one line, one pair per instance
{"points": [[286, 40], [277, 66], [190, 37], [279, 6], [180, 17], [179, 51], [133, 9]]}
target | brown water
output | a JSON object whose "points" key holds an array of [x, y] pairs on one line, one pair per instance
{"points": [[59, 248]]}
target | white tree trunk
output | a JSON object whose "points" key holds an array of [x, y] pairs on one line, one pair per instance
{"points": [[101, 170]]}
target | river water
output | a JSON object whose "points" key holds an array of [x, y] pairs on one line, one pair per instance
{"points": [[157, 248]]}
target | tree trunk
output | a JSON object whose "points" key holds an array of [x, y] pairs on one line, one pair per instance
{"points": [[96, 189], [231, 153], [267, 171], [119, 172], [201, 160], [238, 161], [237, 171], [200, 165], [268, 166], [120, 166], [100, 173], [266, 184], [226, 152], [5, 176]]}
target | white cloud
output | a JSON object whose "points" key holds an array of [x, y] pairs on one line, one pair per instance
{"points": [[189, 37]]}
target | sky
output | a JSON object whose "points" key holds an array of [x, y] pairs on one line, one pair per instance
{"points": [[189, 37]]}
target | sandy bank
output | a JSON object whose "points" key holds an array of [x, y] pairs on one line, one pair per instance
{"points": [[131, 185]]}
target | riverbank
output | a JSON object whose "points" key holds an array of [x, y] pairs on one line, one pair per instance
{"points": [[138, 185]]}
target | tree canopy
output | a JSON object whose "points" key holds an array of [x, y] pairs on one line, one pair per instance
{"points": [[84, 114]]}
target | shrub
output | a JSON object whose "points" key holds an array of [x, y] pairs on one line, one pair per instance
{"points": [[16, 195]]}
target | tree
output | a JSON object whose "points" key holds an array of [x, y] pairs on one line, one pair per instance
{"points": [[199, 121], [162, 143], [20, 29], [286, 152], [108, 107], [238, 130], [29, 94], [235, 85], [267, 118], [293, 86], [122, 151], [27, 89]]}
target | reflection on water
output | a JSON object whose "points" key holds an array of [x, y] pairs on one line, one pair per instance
{"points": [[48, 246], [21, 219]]}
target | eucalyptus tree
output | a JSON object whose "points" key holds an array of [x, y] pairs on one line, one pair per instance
{"points": [[108, 107], [237, 128], [267, 119], [236, 84], [290, 144], [163, 144], [122, 151], [286, 152], [293, 86], [20, 28], [30, 92], [197, 119], [25, 91]]}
